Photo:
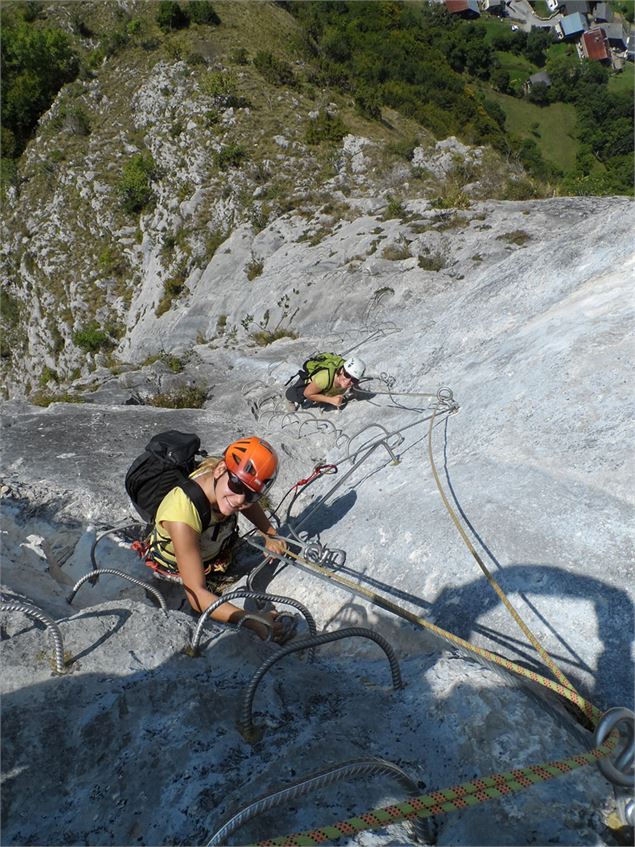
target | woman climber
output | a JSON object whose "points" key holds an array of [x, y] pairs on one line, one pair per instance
{"points": [[325, 378], [181, 551]]}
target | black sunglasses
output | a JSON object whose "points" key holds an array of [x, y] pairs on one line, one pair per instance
{"points": [[237, 486], [348, 376]]}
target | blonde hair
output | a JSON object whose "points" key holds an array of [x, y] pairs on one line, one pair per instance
{"points": [[208, 465]]}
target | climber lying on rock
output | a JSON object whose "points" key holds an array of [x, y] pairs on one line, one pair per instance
{"points": [[326, 378]]}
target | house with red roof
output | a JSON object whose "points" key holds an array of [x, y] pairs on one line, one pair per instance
{"points": [[595, 45]]}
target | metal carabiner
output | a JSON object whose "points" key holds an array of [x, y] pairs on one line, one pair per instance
{"points": [[334, 558], [619, 769], [313, 552]]}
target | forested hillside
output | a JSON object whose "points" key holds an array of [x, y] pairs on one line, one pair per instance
{"points": [[441, 70]]}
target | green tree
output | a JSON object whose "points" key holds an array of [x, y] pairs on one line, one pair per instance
{"points": [[92, 338], [135, 191], [326, 127], [171, 16], [539, 93], [276, 71], [36, 63], [495, 112], [538, 42], [202, 12], [500, 80], [564, 70], [230, 156], [368, 102], [335, 44]]}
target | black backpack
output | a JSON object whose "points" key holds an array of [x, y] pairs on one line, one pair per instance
{"points": [[166, 463]]}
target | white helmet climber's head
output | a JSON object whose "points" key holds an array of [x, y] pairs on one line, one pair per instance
{"points": [[355, 368]]}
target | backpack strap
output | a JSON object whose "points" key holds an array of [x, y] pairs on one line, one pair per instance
{"points": [[301, 374], [331, 368], [197, 496]]}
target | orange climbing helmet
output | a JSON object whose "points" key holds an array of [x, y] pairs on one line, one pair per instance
{"points": [[255, 463]]}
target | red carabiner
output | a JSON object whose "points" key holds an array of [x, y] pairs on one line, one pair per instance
{"points": [[318, 471]]}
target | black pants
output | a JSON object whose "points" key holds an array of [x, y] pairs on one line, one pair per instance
{"points": [[295, 392]]}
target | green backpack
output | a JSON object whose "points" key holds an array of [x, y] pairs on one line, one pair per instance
{"points": [[330, 362]]}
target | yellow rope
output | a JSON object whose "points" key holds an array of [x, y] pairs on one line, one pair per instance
{"points": [[532, 638], [566, 691]]}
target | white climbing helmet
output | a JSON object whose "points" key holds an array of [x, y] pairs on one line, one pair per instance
{"points": [[355, 367]]}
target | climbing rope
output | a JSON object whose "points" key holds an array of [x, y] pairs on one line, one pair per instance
{"points": [[499, 591], [493, 659], [439, 802]]}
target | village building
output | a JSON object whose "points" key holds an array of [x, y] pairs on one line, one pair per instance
{"points": [[570, 26], [602, 13], [573, 6], [540, 78], [615, 33], [465, 8], [495, 7], [594, 46]]}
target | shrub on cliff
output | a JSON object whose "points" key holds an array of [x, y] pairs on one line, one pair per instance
{"points": [[134, 187], [171, 16]]}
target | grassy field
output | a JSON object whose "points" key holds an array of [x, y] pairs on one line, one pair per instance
{"points": [[624, 81], [519, 68], [492, 26], [551, 127]]}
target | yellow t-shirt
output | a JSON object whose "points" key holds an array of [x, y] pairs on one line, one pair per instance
{"points": [[177, 506], [321, 380]]}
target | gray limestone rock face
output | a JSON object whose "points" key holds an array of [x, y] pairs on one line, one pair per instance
{"points": [[138, 741]]}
